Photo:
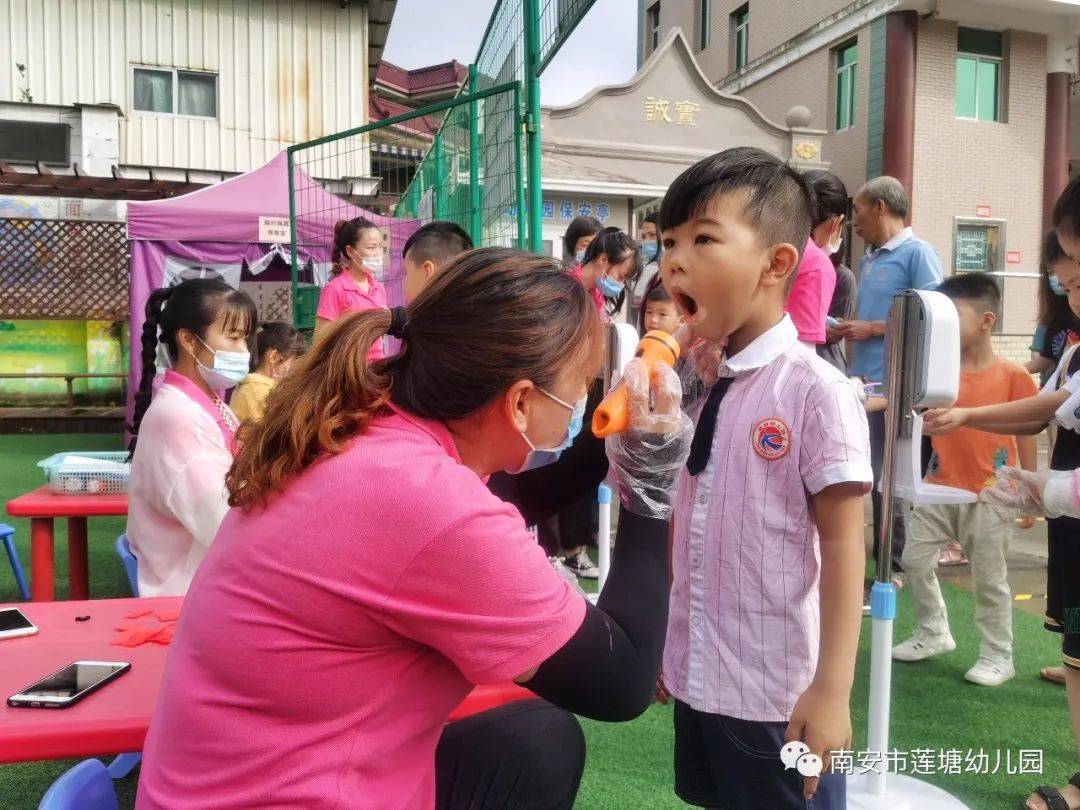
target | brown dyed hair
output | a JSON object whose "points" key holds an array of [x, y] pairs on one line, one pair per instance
{"points": [[492, 317]]}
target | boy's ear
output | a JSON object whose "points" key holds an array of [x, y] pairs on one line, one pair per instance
{"points": [[783, 261], [989, 319], [429, 269]]}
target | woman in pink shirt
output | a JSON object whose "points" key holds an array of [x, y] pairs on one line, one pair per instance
{"points": [[366, 578], [355, 283], [182, 439], [610, 258]]}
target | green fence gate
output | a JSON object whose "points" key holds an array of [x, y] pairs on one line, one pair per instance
{"points": [[458, 160]]}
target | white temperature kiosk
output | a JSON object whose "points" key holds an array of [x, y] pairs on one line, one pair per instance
{"points": [[922, 371]]}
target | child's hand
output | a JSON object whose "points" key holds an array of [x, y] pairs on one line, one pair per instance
{"points": [[1025, 521], [822, 720], [939, 421], [661, 694]]}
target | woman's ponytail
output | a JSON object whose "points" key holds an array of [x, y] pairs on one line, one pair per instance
{"points": [[154, 305], [330, 396]]}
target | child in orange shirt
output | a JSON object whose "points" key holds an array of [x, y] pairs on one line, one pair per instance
{"points": [[967, 459]]}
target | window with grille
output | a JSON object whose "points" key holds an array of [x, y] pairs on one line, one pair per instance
{"points": [[979, 74], [167, 91], [740, 26], [704, 21], [654, 27], [846, 61], [979, 247]]}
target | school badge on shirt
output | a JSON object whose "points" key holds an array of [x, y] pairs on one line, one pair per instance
{"points": [[771, 439]]}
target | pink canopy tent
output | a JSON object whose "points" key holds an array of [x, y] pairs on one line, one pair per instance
{"points": [[216, 231]]}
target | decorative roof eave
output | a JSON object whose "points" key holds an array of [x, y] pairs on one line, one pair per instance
{"points": [[676, 40]]}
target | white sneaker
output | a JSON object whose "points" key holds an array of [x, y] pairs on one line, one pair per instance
{"points": [[582, 565], [918, 648], [565, 573], [990, 671]]}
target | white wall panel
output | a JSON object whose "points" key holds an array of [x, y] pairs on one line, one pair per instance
{"points": [[287, 71]]}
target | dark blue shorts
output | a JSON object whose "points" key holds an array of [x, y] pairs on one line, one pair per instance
{"points": [[726, 763]]}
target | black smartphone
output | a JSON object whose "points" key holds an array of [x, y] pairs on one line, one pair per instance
{"points": [[68, 686]]}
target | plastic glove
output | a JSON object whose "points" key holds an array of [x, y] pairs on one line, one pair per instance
{"points": [[646, 457], [1046, 492], [700, 363]]}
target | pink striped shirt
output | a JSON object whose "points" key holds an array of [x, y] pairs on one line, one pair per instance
{"points": [[744, 623]]}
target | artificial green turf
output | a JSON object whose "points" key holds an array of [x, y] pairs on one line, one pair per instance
{"points": [[629, 765]]}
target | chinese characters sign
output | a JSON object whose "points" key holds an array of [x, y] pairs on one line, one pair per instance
{"points": [[568, 210], [662, 110]]}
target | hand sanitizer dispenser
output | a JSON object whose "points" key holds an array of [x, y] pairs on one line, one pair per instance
{"points": [[928, 377]]}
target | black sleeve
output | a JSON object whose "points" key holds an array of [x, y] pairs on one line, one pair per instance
{"points": [[609, 667], [538, 494]]}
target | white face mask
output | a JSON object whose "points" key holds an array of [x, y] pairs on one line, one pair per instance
{"points": [[834, 245], [374, 264], [229, 367]]}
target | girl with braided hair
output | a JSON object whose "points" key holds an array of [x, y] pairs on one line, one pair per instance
{"points": [[182, 436]]}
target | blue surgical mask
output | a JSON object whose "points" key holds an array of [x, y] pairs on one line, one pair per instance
{"points": [[610, 287], [1055, 285], [579, 257], [649, 249], [541, 458], [229, 368]]}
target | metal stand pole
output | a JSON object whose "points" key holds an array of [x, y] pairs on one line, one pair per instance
{"points": [[877, 788]]}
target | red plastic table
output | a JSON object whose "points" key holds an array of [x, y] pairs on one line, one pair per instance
{"points": [[115, 719], [42, 507]]}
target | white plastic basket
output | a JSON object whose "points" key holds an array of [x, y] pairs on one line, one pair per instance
{"points": [[87, 473]]}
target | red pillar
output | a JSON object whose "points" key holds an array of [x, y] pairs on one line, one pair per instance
{"points": [[1056, 143], [898, 137]]}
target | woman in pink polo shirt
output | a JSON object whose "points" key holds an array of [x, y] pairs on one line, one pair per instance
{"points": [[355, 283], [182, 439], [610, 259], [366, 578]]}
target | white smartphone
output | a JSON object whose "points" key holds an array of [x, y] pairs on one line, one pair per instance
{"points": [[13, 623], [69, 685]]}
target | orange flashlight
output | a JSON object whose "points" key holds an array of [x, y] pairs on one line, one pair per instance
{"points": [[613, 414]]}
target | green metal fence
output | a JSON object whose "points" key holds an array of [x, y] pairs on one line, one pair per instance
{"points": [[458, 160], [474, 159]]}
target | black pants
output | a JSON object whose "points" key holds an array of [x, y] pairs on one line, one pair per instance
{"points": [[527, 754], [877, 460]]}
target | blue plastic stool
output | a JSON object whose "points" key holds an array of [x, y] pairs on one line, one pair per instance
{"points": [[8, 533], [87, 786], [131, 564]]}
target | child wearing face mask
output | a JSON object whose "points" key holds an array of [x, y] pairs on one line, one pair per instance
{"points": [[356, 282], [183, 436], [276, 346], [579, 233]]}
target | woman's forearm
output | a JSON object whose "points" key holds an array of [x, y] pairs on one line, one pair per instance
{"points": [[609, 668]]}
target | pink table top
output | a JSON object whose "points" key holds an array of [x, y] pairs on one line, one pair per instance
{"points": [[115, 719], [40, 502]]}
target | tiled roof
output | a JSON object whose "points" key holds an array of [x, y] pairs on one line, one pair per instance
{"points": [[380, 108], [448, 75]]}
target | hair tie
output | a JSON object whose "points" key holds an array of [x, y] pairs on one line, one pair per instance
{"points": [[399, 319]]}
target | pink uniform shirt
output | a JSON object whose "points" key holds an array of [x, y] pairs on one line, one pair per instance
{"points": [[744, 624], [327, 637], [341, 296], [811, 294], [177, 498]]}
